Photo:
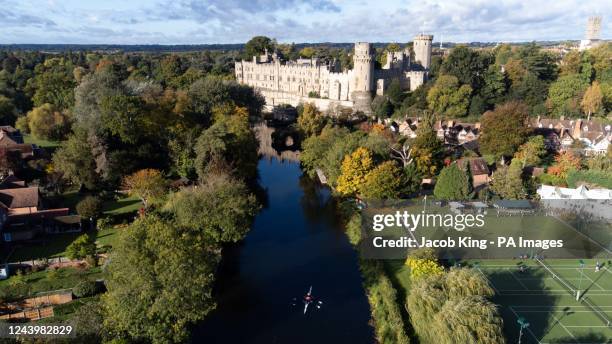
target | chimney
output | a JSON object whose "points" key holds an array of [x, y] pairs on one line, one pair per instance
{"points": [[577, 129]]}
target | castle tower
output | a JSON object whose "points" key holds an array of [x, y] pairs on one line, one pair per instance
{"points": [[363, 66], [422, 49], [363, 77]]}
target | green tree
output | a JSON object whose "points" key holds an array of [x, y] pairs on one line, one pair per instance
{"points": [[531, 152], [221, 208], [565, 94], [504, 129], [495, 85], [453, 184], [89, 207], [354, 169], [228, 145], [428, 150], [74, 160], [8, 111], [159, 282], [467, 65], [53, 83], [81, 247], [382, 182], [45, 122], [257, 45], [310, 121], [508, 183], [448, 98]]}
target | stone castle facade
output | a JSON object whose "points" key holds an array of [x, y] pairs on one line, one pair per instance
{"points": [[309, 80]]}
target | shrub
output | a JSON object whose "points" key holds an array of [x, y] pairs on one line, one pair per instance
{"points": [[81, 247], [86, 288], [89, 207]]}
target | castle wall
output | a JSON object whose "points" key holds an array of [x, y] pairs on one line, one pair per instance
{"points": [[291, 83]]}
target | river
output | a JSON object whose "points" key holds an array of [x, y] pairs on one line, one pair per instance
{"points": [[295, 242]]}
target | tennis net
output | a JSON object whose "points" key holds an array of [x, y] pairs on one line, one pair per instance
{"points": [[565, 284], [598, 311]]}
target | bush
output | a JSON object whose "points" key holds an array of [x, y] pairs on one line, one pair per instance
{"points": [[81, 247], [592, 177], [86, 288], [89, 207]]}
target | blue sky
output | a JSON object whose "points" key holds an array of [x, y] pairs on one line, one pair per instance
{"points": [[235, 21]]}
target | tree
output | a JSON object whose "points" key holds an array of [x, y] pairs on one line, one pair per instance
{"points": [[504, 129], [354, 169], [564, 95], [310, 121], [423, 263], [53, 83], [495, 85], [383, 182], [402, 153], [81, 247], [257, 45], [467, 65], [382, 107], [89, 207], [592, 100], [228, 145], [221, 208], [571, 63], [564, 162], [8, 112], [159, 282], [147, 184], [507, 182], [531, 152], [75, 161], [453, 184], [447, 98], [453, 308], [428, 150], [45, 122]]}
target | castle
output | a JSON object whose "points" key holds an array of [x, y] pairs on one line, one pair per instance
{"points": [[309, 80]]}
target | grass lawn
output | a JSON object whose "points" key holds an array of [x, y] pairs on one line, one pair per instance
{"points": [[43, 280], [52, 246], [40, 142], [65, 312], [125, 205]]}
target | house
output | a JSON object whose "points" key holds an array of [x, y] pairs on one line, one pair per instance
{"points": [[561, 134], [22, 216], [20, 201], [10, 136], [479, 170]]}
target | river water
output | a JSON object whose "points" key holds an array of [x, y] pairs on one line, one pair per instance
{"points": [[295, 242]]}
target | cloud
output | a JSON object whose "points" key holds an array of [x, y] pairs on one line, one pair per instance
{"points": [[235, 21]]}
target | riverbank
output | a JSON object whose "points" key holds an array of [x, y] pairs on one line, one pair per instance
{"points": [[391, 324]]}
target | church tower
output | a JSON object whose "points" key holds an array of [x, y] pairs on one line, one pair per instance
{"points": [[363, 77], [422, 49]]}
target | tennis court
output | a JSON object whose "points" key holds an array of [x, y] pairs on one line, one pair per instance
{"points": [[543, 293]]}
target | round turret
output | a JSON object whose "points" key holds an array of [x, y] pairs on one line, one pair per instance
{"points": [[363, 66]]}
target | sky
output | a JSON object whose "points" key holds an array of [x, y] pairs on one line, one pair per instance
{"points": [[236, 21]]}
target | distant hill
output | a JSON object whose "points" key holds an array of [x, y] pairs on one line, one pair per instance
{"points": [[51, 48]]}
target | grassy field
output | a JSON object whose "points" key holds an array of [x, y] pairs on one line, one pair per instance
{"points": [[40, 142], [53, 246], [549, 303], [42, 281]]}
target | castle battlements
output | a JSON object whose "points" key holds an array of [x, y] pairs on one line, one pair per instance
{"points": [[309, 80]]}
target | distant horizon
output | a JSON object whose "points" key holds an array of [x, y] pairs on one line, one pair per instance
{"points": [[168, 22]]}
